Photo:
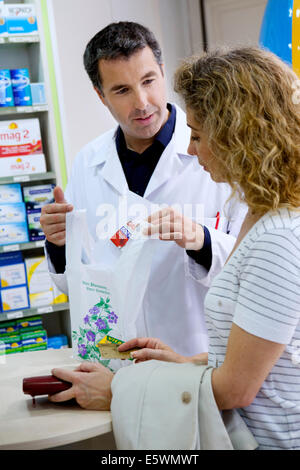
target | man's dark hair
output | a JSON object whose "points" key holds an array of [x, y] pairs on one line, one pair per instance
{"points": [[117, 40]]}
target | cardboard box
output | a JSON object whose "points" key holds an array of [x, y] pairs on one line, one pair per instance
{"points": [[10, 193], [12, 275], [8, 328], [10, 344], [34, 340], [37, 196], [14, 298], [21, 19], [3, 23], [38, 277], [41, 298], [13, 233], [29, 324], [12, 213], [35, 230]]}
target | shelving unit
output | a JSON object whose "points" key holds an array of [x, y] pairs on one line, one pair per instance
{"points": [[34, 52]]}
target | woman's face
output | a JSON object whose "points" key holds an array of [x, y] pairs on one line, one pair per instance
{"points": [[199, 146]]}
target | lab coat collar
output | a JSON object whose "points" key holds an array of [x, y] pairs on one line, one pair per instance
{"points": [[169, 165]]}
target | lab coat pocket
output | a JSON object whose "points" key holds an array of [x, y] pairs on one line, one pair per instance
{"points": [[218, 223]]}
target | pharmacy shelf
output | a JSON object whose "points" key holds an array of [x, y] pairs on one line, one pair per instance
{"points": [[30, 312], [13, 39], [8, 110], [22, 246], [49, 175]]}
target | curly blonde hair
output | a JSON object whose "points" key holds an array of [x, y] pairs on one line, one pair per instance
{"points": [[243, 101]]}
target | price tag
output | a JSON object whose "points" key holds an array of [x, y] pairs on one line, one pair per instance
{"points": [[8, 248], [40, 243], [22, 178], [47, 309], [18, 314]]}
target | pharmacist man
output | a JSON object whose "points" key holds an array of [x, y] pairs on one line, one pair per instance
{"points": [[147, 154]]}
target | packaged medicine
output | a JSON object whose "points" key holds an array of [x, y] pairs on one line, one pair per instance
{"points": [[14, 298], [12, 213], [13, 233], [38, 277], [21, 19], [20, 82], [41, 299], [37, 196], [10, 193], [34, 340], [10, 344], [6, 91], [21, 147], [3, 24], [38, 94], [8, 328], [29, 324], [34, 227], [12, 275]]}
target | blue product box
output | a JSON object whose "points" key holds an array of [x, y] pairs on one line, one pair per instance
{"points": [[21, 19], [58, 342], [14, 298], [13, 233], [12, 213], [34, 227], [6, 91], [12, 270], [21, 87], [10, 193], [38, 94], [35, 197], [3, 24]]}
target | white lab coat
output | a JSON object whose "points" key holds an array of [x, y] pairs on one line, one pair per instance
{"points": [[173, 307]]}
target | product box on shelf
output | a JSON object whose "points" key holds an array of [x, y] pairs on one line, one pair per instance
{"points": [[6, 91], [10, 193], [12, 213], [38, 277], [12, 270], [20, 82], [35, 230], [21, 150], [34, 340], [14, 298], [10, 344], [38, 94], [58, 342], [37, 196], [13, 233], [3, 24], [21, 19], [29, 324], [8, 328], [40, 299]]}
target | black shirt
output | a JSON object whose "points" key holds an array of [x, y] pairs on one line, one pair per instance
{"points": [[138, 169]]}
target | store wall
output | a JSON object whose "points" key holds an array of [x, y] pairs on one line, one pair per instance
{"points": [[74, 22]]}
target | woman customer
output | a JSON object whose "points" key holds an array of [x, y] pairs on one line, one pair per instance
{"points": [[245, 131]]}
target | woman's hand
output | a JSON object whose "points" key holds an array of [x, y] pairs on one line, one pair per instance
{"points": [[91, 386], [172, 225], [154, 348]]}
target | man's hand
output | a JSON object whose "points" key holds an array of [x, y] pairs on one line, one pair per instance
{"points": [[171, 225], [91, 386], [53, 218]]}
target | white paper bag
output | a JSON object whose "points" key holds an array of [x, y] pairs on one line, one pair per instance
{"points": [[105, 298]]}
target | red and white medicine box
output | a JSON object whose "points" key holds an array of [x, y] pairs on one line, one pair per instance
{"points": [[21, 150]]}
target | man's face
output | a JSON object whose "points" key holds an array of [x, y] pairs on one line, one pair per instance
{"points": [[134, 91]]}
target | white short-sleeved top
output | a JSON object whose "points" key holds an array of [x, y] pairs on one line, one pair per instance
{"points": [[259, 290]]}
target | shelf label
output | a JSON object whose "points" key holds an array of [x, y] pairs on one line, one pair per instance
{"points": [[47, 309], [18, 314], [21, 178], [11, 247], [24, 109], [40, 243]]}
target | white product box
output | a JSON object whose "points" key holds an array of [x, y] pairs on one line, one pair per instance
{"points": [[15, 298], [21, 137], [38, 277], [41, 298], [17, 166], [12, 213], [12, 275], [3, 24], [10, 193], [21, 19], [58, 296], [13, 233]]}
